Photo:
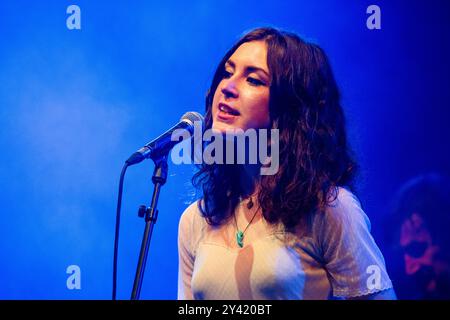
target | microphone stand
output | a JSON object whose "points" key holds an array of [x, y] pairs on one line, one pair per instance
{"points": [[150, 214]]}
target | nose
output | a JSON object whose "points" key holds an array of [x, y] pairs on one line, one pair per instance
{"points": [[229, 89]]}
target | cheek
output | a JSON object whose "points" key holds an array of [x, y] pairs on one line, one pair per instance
{"points": [[258, 111], [214, 104]]}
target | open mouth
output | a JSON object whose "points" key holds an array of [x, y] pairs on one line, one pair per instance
{"points": [[228, 110]]}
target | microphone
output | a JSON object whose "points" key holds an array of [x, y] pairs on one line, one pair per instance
{"points": [[163, 144]]}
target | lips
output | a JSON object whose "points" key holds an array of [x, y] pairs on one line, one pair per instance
{"points": [[228, 110]]}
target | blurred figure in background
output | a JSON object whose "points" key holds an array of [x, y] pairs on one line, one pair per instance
{"points": [[418, 235]]}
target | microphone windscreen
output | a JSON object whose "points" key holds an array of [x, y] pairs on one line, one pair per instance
{"points": [[191, 117]]}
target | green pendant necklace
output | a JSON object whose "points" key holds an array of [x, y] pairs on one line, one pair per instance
{"points": [[239, 233]]}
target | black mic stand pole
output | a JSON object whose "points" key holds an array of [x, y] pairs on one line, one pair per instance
{"points": [[150, 214]]}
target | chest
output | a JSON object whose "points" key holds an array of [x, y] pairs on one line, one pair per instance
{"points": [[266, 268]]}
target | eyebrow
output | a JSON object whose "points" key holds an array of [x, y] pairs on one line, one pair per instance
{"points": [[249, 69]]}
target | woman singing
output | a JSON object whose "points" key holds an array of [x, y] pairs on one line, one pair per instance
{"points": [[299, 233]]}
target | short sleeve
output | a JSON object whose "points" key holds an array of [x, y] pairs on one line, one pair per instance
{"points": [[354, 263]]}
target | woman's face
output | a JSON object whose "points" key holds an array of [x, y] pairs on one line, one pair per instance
{"points": [[241, 100]]}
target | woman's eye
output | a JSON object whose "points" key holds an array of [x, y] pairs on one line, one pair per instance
{"points": [[255, 81], [226, 74]]}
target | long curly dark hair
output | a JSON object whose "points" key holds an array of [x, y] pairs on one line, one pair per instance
{"points": [[314, 156]]}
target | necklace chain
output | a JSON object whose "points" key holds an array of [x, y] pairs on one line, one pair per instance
{"points": [[240, 234]]}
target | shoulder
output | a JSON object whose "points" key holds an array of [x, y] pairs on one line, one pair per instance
{"points": [[341, 197], [191, 215], [344, 208], [343, 218], [348, 249], [192, 224]]}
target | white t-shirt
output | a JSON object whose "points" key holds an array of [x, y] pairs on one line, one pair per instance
{"points": [[331, 254]]}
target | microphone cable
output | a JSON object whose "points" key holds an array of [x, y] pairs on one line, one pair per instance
{"points": [[116, 235]]}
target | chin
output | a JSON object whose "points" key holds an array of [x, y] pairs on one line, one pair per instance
{"points": [[223, 127]]}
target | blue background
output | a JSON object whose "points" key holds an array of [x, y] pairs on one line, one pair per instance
{"points": [[74, 104]]}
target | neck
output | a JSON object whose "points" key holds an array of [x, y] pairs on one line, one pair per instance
{"points": [[249, 175]]}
